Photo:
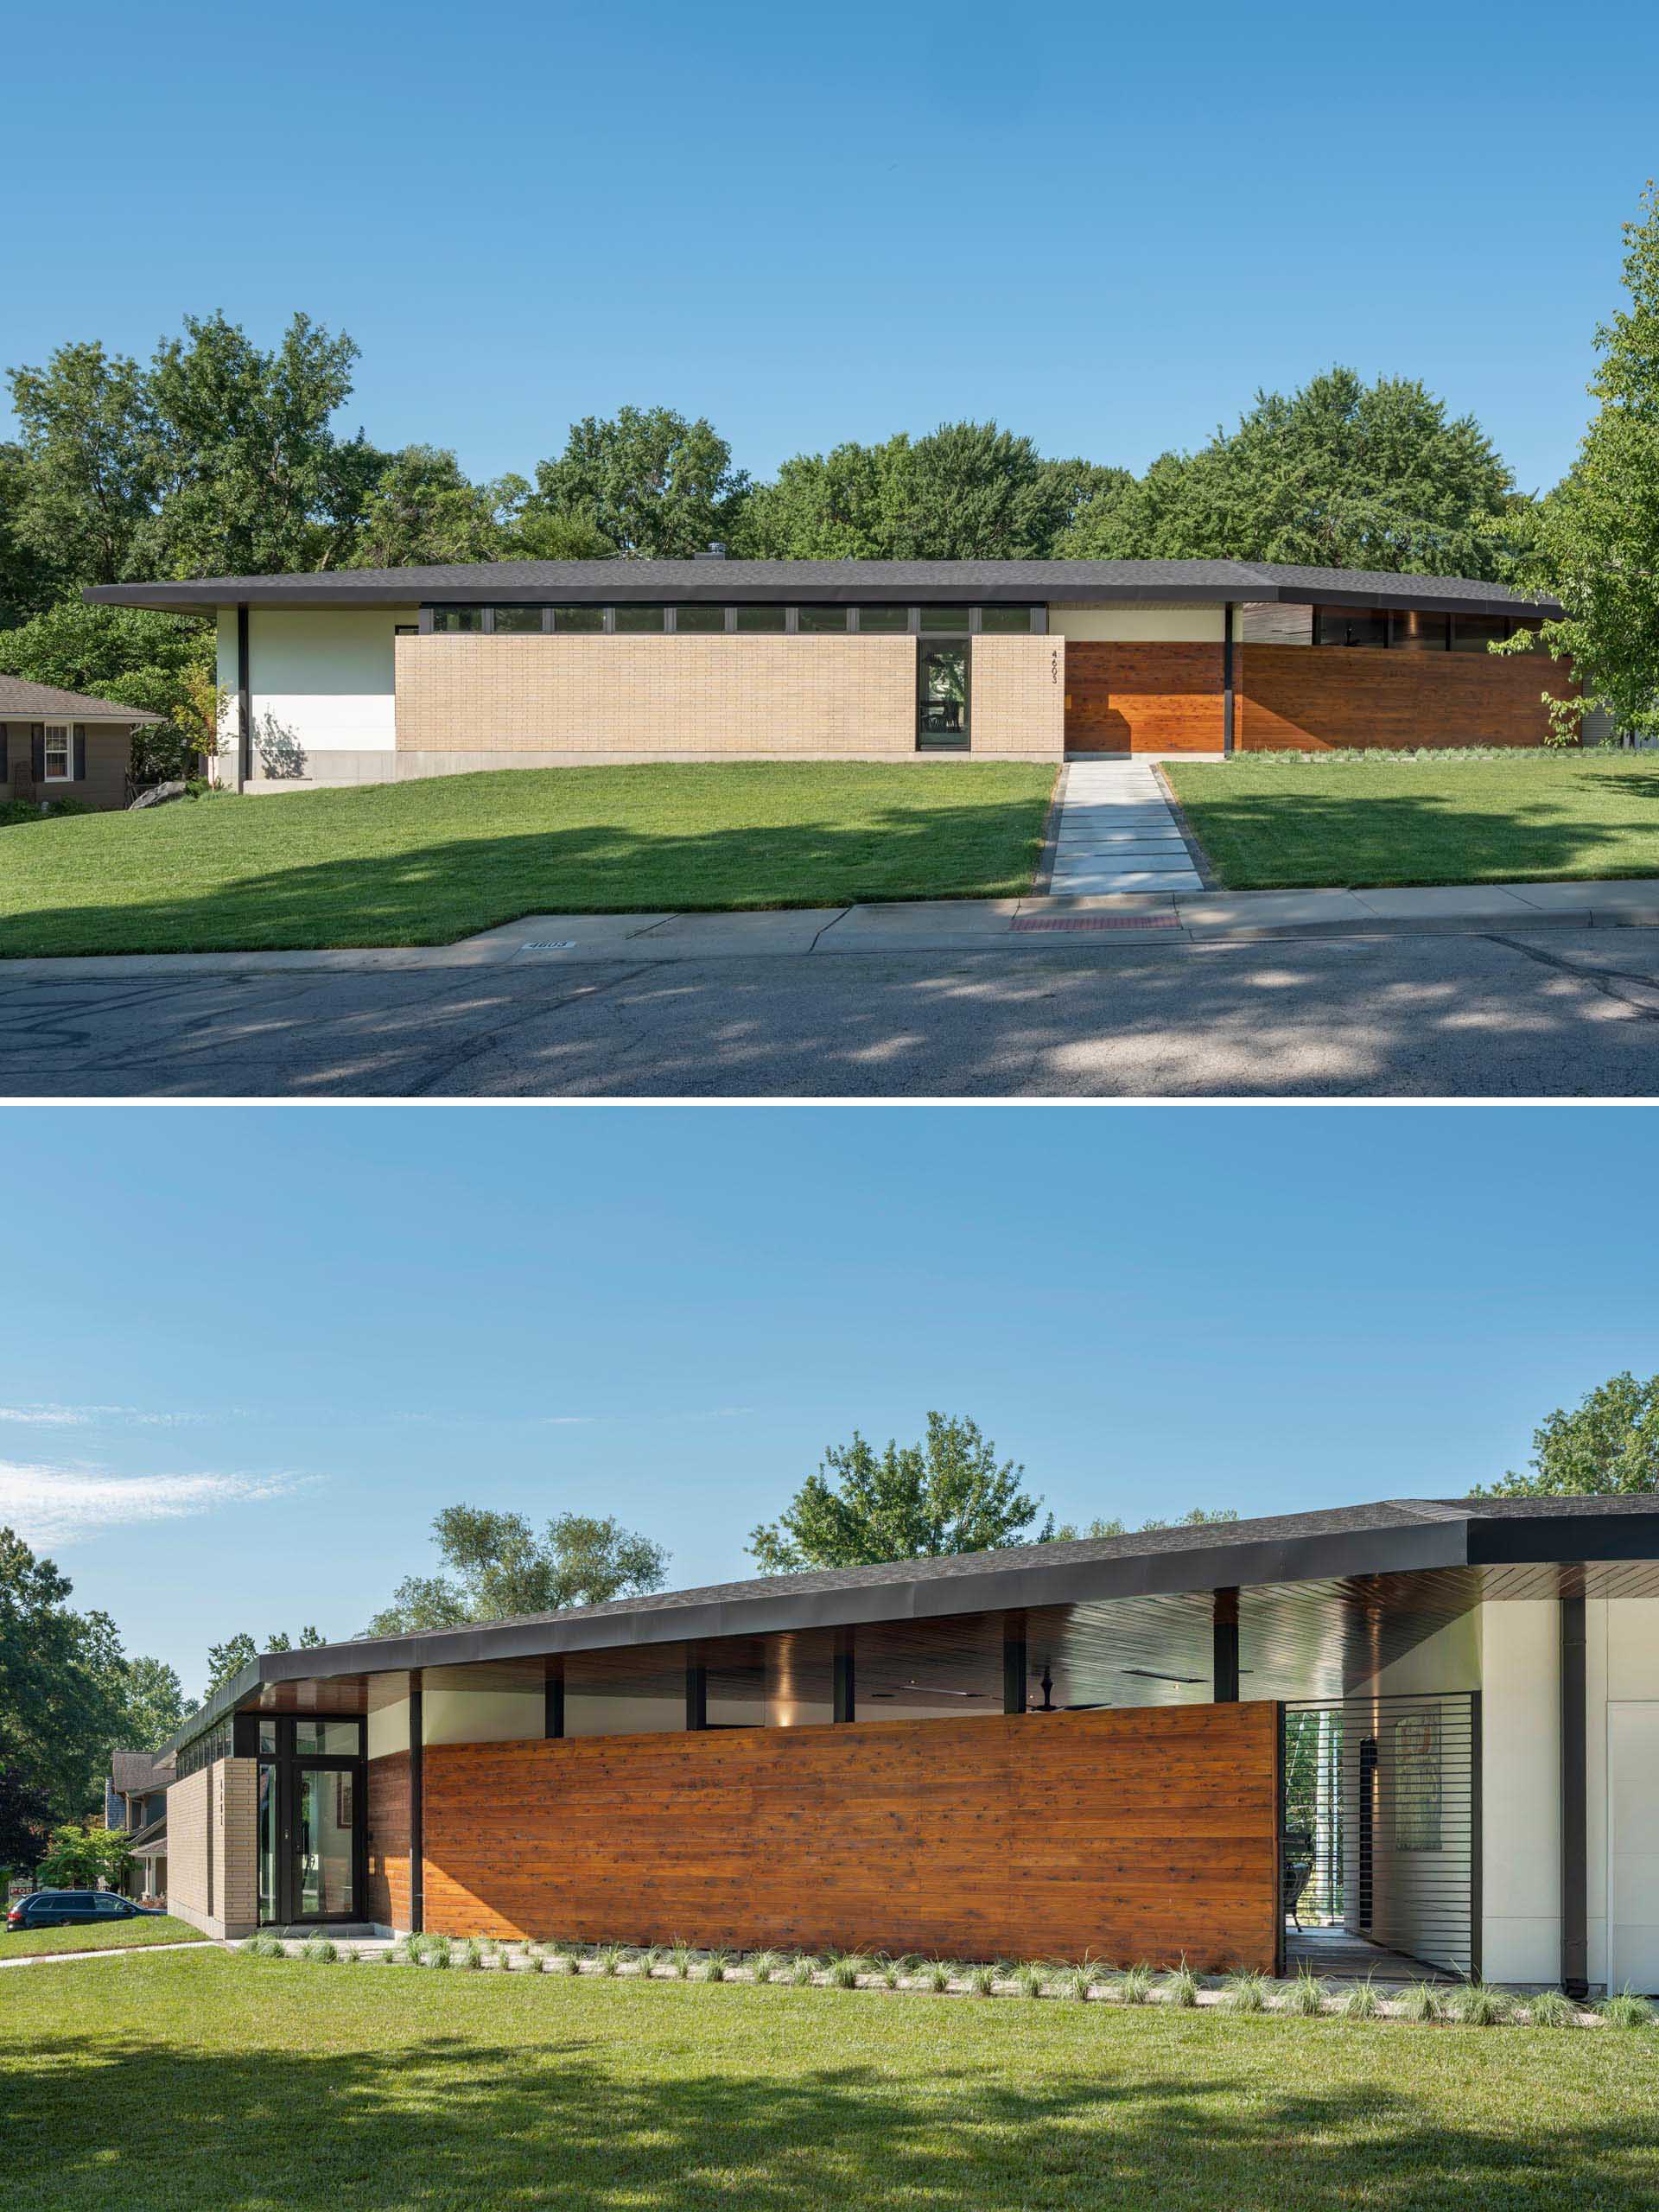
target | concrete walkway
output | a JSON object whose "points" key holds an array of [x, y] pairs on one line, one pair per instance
{"points": [[108, 1951], [1116, 833]]}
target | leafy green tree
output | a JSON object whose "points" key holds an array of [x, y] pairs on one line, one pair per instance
{"points": [[497, 1566], [424, 510], [62, 1684], [540, 533], [946, 1493], [228, 1659], [1605, 1445], [654, 484], [1197, 1517], [29, 579], [253, 479], [830, 507], [971, 492], [155, 1706], [91, 446], [25, 1818], [79, 1857], [163, 663], [1596, 542], [1340, 475]]}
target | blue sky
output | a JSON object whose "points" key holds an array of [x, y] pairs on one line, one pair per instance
{"points": [[1104, 226], [233, 1393]]}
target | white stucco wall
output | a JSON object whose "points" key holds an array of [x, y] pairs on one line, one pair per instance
{"points": [[1520, 1789], [320, 677], [1193, 626]]}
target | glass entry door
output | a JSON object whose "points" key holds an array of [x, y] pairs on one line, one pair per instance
{"points": [[311, 1840], [941, 696]]}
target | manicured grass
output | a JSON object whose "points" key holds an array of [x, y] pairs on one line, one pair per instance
{"points": [[424, 863], [111, 1935], [203, 2080], [1348, 822]]}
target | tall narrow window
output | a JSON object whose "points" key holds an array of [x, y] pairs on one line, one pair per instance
{"points": [[59, 753]]}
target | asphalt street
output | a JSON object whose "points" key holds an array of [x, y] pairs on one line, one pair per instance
{"points": [[1555, 1012]]}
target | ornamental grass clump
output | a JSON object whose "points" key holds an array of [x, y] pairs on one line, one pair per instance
{"points": [[1132, 1986], [1180, 1986], [938, 1974], [765, 1964], [1245, 1992], [892, 1972], [1029, 1979], [1078, 1983], [649, 1959], [319, 1951], [264, 1947], [716, 1966], [1362, 2002], [1551, 2008], [1423, 2001], [981, 1981], [466, 1955], [1305, 1996], [1477, 2004], [608, 1959], [680, 1959], [803, 1970], [844, 1970], [1625, 2010]]}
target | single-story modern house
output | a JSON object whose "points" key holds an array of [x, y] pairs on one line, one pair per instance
{"points": [[369, 675], [57, 745], [1421, 1735], [135, 1801]]}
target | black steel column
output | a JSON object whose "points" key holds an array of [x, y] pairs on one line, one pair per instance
{"points": [[1575, 1780], [244, 700], [1014, 1665], [1227, 680], [553, 1702], [416, 1825], [696, 1694], [1224, 1647], [844, 1704]]}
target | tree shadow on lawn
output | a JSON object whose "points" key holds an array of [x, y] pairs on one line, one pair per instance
{"points": [[434, 893], [575, 2120], [1356, 839]]}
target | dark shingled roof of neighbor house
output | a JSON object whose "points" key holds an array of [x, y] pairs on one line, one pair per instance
{"points": [[21, 702], [837, 582]]}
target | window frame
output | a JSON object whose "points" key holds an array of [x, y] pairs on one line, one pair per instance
{"points": [[67, 731]]}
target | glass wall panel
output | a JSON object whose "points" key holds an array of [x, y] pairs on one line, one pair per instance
{"points": [[699, 618], [1349, 626], [517, 618], [324, 1841], [630, 1693], [1473, 633], [336, 1738], [579, 617], [881, 618], [457, 618], [998, 620], [269, 1908], [1419, 633], [821, 618], [760, 618], [949, 620], [942, 707], [639, 618]]}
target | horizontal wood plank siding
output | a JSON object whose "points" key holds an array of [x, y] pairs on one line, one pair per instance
{"points": [[1145, 1833], [1317, 698], [386, 1896], [1148, 697]]}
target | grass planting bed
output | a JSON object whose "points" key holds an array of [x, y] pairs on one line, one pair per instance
{"points": [[1352, 821], [201, 2079], [429, 862], [111, 1935]]}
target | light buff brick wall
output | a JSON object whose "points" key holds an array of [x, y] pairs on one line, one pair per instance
{"points": [[211, 1872], [1018, 702], [717, 697]]}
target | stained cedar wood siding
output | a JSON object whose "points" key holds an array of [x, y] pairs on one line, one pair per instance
{"points": [[1312, 698], [1167, 698], [1142, 698], [1146, 1833], [386, 1898]]}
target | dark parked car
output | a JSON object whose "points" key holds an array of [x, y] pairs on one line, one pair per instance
{"points": [[69, 1908]]}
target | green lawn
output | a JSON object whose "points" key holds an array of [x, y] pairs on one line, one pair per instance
{"points": [[426, 862], [206, 2080], [1269, 826], [112, 1936]]}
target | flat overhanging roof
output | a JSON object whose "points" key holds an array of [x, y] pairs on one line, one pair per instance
{"points": [[1364, 1557], [720, 582]]}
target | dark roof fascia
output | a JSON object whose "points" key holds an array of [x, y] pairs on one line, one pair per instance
{"points": [[1563, 1536], [719, 582]]}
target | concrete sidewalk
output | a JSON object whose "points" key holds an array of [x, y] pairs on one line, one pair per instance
{"points": [[937, 925]]}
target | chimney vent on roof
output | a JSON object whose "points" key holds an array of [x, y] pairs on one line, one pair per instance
{"points": [[716, 552]]}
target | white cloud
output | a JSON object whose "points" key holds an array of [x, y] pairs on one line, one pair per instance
{"points": [[51, 1416], [55, 1506]]}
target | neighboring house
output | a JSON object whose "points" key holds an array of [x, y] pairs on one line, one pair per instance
{"points": [[1418, 1734], [135, 1801], [59, 745], [370, 675]]}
